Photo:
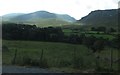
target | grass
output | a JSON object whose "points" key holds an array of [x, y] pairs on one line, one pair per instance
{"points": [[51, 50], [45, 22], [57, 55], [88, 33], [102, 35]]}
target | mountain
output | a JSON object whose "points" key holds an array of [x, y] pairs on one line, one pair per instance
{"points": [[66, 17], [42, 18], [101, 18], [34, 15], [7, 17]]}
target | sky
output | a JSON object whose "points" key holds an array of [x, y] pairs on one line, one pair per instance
{"points": [[74, 8]]}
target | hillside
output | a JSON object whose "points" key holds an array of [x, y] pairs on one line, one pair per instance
{"points": [[7, 17], [101, 18], [41, 18], [46, 22]]}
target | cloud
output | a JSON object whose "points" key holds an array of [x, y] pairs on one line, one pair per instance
{"points": [[75, 8]]}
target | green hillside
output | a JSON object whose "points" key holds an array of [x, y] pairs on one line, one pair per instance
{"points": [[44, 22]]}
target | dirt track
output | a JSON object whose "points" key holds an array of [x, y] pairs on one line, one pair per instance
{"points": [[18, 69]]}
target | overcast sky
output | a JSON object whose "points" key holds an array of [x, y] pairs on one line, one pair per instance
{"points": [[74, 8]]}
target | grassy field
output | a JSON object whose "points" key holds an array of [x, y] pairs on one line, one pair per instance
{"points": [[62, 56], [44, 22], [88, 33]]}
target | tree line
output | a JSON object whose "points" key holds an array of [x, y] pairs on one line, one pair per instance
{"points": [[13, 31], [103, 29]]}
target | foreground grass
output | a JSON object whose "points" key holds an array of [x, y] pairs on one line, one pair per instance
{"points": [[57, 55], [51, 50]]}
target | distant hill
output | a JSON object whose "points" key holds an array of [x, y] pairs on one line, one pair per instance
{"points": [[7, 17], [66, 17], [41, 18], [108, 18]]}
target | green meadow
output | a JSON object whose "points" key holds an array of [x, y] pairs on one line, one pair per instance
{"points": [[61, 56]]}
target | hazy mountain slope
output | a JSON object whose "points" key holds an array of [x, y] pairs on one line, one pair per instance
{"points": [[42, 15], [38, 14], [66, 17], [42, 18], [7, 17]]}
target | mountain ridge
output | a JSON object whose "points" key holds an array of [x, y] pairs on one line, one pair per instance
{"points": [[101, 18], [41, 18], [42, 14]]}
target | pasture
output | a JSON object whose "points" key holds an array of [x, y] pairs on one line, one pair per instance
{"points": [[89, 33], [61, 56]]}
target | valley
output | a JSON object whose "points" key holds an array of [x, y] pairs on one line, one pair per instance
{"points": [[60, 42]]}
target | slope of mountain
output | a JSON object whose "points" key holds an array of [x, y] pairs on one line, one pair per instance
{"points": [[46, 22], [41, 18], [101, 18], [34, 15], [7, 17], [66, 17]]}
